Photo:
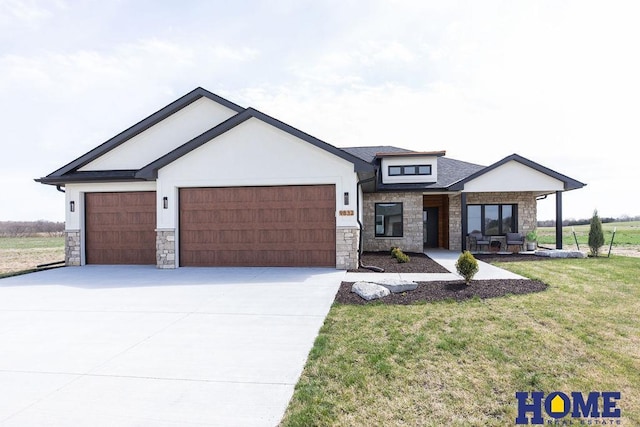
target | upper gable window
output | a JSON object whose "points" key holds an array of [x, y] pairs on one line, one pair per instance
{"points": [[409, 170]]}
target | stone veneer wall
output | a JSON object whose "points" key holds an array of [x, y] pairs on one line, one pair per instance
{"points": [[72, 248], [527, 211], [166, 248], [411, 222], [455, 222], [347, 248]]}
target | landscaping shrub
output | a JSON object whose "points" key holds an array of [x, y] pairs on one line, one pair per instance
{"points": [[399, 255], [467, 266], [596, 236], [402, 257]]}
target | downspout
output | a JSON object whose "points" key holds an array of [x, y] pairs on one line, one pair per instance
{"points": [[361, 227], [59, 188]]}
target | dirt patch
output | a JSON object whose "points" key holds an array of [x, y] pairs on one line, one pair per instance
{"points": [[13, 260], [443, 290], [510, 257], [419, 263]]}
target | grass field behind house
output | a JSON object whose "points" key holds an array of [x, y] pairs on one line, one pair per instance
{"points": [[627, 234], [25, 253], [460, 364]]}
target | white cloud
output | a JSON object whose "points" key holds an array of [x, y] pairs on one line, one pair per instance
{"points": [[21, 12], [555, 82]]}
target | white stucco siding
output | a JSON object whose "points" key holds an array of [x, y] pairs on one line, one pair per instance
{"points": [[75, 192], [513, 176], [163, 137], [256, 154], [409, 161]]}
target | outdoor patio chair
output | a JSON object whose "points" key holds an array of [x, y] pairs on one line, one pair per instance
{"points": [[477, 240], [515, 239]]}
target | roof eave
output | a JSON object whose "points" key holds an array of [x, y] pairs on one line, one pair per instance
{"points": [[93, 176], [440, 153]]}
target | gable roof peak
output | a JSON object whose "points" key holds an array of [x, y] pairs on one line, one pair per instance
{"points": [[143, 125], [569, 183]]}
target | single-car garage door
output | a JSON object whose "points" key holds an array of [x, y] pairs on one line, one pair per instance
{"points": [[258, 226], [120, 228]]}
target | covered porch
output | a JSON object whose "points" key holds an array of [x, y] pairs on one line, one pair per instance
{"points": [[482, 210]]}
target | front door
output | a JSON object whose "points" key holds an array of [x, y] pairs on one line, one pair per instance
{"points": [[430, 227]]}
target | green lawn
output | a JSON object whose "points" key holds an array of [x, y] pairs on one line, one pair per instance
{"points": [[461, 364], [627, 233]]}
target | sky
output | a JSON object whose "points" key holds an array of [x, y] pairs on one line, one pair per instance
{"points": [[554, 81]]}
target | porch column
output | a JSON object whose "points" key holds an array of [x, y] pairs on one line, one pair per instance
{"points": [[463, 216], [559, 219]]}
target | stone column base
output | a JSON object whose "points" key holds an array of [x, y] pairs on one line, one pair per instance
{"points": [[166, 248], [72, 248], [347, 248]]}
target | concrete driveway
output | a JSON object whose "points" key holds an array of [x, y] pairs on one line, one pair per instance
{"points": [[137, 346]]}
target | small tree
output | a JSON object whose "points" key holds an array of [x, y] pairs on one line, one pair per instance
{"points": [[596, 237], [467, 266]]}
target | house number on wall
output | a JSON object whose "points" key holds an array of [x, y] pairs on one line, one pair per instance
{"points": [[346, 213]]}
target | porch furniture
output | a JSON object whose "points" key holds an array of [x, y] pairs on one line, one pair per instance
{"points": [[477, 240], [496, 243], [515, 239]]}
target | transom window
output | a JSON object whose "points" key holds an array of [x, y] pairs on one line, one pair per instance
{"points": [[388, 219], [410, 170], [492, 220]]}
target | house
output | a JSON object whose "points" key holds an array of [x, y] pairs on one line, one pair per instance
{"points": [[205, 182]]}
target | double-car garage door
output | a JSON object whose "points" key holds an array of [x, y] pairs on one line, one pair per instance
{"points": [[238, 226], [258, 226]]}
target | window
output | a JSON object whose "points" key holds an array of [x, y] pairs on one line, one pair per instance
{"points": [[395, 170], [474, 219], [410, 170], [388, 219], [492, 220], [424, 170]]}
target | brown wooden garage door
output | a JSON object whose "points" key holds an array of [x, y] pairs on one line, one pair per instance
{"points": [[120, 228], [258, 226]]}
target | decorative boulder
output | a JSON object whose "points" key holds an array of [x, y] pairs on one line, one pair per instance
{"points": [[560, 253], [396, 285], [369, 290]]}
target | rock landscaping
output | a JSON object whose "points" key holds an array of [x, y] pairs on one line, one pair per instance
{"points": [[559, 253], [369, 291]]}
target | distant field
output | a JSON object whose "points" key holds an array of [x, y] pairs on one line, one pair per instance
{"points": [[25, 253], [626, 242]]}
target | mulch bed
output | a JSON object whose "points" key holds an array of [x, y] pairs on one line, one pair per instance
{"points": [[419, 263], [443, 290]]}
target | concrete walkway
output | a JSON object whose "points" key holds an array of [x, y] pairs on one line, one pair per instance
{"points": [[447, 259], [138, 346]]}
